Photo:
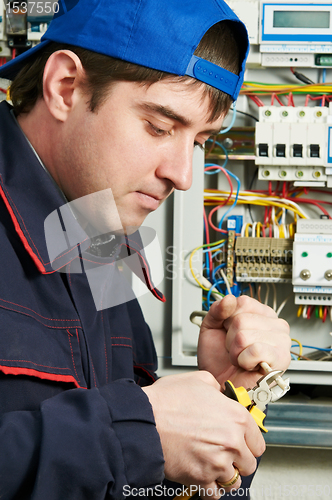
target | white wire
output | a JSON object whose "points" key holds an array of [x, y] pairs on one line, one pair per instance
{"points": [[244, 197], [282, 305], [274, 297], [305, 312], [226, 281], [267, 294]]}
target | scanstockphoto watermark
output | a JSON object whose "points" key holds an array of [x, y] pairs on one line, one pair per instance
{"points": [[183, 491]]}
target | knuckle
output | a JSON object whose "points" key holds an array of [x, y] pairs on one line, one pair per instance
{"points": [[207, 377], [284, 325], [245, 302]]}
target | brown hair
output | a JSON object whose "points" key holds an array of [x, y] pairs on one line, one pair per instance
{"points": [[218, 45]]}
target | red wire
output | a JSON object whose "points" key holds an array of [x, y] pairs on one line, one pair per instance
{"points": [[207, 237], [256, 100], [274, 96], [213, 167], [324, 314], [290, 100], [313, 202], [309, 310], [210, 219]]}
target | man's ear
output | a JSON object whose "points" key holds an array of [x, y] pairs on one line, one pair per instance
{"points": [[62, 74]]}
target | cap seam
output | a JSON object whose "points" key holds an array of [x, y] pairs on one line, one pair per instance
{"points": [[132, 27]]}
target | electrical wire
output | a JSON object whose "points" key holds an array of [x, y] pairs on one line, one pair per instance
{"points": [[225, 130], [246, 114]]}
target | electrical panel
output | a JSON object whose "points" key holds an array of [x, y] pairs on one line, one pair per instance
{"points": [[259, 220]]}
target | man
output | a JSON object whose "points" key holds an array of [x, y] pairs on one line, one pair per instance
{"points": [[113, 99]]}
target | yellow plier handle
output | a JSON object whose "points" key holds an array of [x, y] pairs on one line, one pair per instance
{"points": [[241, 395]]}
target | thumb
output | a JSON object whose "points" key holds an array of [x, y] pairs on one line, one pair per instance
{"points": [[219, 312]]}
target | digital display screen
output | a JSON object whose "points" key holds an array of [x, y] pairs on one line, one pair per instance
{"points": [[301, 19]]}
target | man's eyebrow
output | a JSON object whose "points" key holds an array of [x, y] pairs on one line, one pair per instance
{"points": [[165, 111], [173, 115]]}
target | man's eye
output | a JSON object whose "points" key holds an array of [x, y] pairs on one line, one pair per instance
{"points": [[158, 131]]}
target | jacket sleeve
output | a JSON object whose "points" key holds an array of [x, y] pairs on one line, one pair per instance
{"points": [[79, 444]]}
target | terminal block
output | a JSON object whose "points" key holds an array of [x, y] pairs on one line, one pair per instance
{"points": [[264, 259]]}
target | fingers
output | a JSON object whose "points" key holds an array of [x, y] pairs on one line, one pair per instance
{"points": [[256, 353], [253, 338], [203, 433], [219, 311]]}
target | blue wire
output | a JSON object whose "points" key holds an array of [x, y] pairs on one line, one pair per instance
{"points": [[212, 164], [214, 248], [313, 347], [219, 282], [236, 198], [232, 122], [324, 75], [217, 269], [206, 251], [207, 264]]}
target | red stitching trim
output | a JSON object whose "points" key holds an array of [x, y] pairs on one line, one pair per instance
{"points": [[18, 229], [144, 370], [122, 345], [32, 363], [44, 317], [94, 373], [128, 338], [96, 262], [8, 370], [39, 262], [72, 355], [58, 327], [151, 287]]}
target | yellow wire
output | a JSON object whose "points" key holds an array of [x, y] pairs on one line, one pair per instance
{"points": [[262, 204], [299, 311], [300, 346], [247, 229], [258, 229], [292, 229], [261, 88], [282, 231], [321, 312], [191, 259]]}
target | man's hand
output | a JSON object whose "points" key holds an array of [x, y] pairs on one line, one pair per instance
{"points": [[239, 333], [203, 433]]}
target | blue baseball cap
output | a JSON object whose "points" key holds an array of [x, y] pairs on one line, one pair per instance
{"points": [[159, 34]]}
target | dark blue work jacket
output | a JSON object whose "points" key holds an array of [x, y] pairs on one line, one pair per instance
{"points": [[73, 423]]}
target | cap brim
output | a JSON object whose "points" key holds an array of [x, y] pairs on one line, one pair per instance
{"points": [[12, 68]]}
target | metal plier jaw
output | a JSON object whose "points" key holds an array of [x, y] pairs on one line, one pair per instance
{"points": [[263, 393], [256, 399]]}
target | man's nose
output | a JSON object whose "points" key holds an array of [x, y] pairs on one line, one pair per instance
{"points": [[177, 167]]}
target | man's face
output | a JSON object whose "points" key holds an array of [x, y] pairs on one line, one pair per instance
{"points": [[139, 144]]}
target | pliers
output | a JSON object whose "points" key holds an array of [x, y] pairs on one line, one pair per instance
{"points": [[269, 388]]}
